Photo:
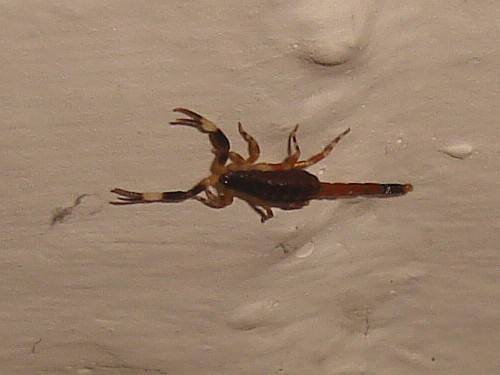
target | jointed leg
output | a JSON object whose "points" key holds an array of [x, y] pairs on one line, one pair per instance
{"points": [[253, 150], [316, 158], [132, 197], [289, 161], [219, 141], [253, 146], [292, 137], [215, 201], [264, 212], [236, 158]]}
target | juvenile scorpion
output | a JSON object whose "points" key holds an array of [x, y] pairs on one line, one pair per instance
{"points": [[284, 185]]}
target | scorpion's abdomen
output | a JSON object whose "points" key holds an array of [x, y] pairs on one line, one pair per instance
{"points": [[273, 186]]}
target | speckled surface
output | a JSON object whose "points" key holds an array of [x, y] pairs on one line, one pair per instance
{"points": [[400, 286]]}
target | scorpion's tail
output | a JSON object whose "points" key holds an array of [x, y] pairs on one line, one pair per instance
{"points": [[340, 190]]}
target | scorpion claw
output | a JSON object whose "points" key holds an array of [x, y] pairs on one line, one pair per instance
{"points": [[127, 201], [127, 197], [185, 121], [196, 121], [189, 113], [125, 194]]}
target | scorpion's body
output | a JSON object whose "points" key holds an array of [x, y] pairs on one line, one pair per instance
{"points": [[279, 188], [284, 185]]}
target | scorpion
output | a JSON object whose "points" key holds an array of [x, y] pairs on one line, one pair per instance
{"points": [[263, 186]]}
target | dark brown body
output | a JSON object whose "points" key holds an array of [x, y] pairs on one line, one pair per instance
{"points": [[276, 187]]}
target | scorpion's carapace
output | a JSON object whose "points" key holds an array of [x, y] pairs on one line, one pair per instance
{"points": [[284, 185]]}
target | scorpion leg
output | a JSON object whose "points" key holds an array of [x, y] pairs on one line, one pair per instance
{"points": [[253, 146], [253, 150], [236, 158], [215, 201], [219, 141], [132, 197], [290, 160], [265, 212], [323, 154], [292, 137]]}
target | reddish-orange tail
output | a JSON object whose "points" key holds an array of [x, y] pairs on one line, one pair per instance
{"points": [[339, 190]]}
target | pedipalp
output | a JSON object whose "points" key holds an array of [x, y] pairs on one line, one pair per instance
{"points": [[219, 141]]}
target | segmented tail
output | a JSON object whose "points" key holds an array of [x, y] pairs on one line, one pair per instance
{"points": [[340, 190]]}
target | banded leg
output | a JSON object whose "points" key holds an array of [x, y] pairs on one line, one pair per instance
{"points": [[132, 197], [219, 141], [323, 154]]}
